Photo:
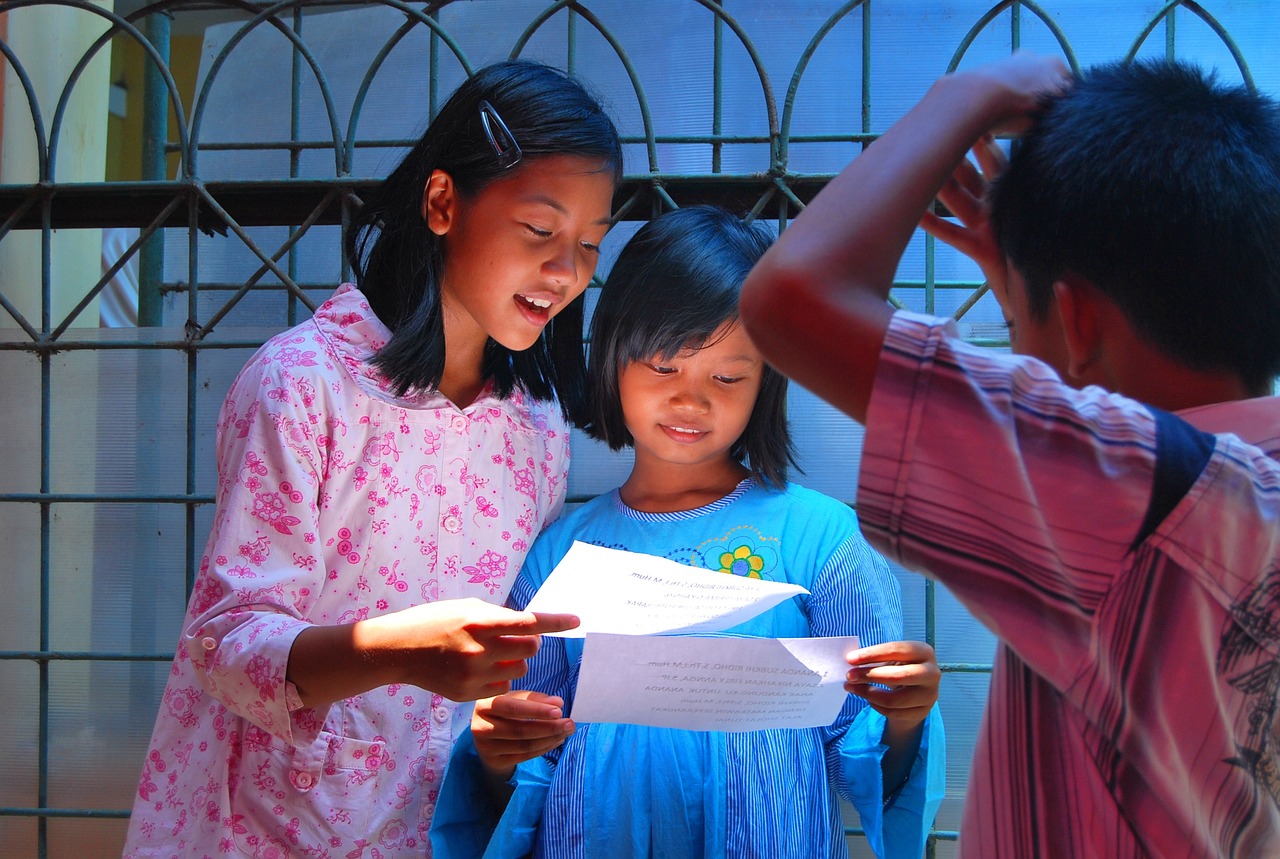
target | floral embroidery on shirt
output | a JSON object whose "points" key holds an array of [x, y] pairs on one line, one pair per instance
{"points": [[741, 562]]}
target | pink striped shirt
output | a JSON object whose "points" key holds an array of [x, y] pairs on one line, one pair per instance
{"points": [[1130, 565]]}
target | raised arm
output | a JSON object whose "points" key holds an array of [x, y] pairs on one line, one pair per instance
{"points": [[816, 303]]}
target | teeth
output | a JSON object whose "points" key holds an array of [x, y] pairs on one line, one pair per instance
{"points": [[541, 303], [683, 430]]}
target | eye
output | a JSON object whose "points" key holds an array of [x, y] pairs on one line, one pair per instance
{"points": [[590, 248], [728, 380], [661, 369], [542, 234]]}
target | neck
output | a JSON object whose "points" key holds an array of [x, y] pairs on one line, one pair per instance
{"points": [[674, 488], [1146, 374], [461, 380]]}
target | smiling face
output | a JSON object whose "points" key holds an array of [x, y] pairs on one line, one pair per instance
{"points": [[517, 252], [689, 410]]}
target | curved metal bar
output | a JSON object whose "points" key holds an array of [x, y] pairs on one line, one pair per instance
{"points": [[1212, 23], [415, 17], [118, 25], [995, 10], [789, 102], [646, 117], [641, 100], [37, 121], [269, 15]]}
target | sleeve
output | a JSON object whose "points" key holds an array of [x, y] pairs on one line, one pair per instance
{"points": [[466, 823], [260, 572], [857, 594], [1021, 494]]}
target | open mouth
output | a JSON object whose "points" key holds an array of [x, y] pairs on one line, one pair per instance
{"points": [[535, 305], [683, 433]]}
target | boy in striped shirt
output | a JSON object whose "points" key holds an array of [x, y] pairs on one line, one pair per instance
{"points": [[1107, 501]]}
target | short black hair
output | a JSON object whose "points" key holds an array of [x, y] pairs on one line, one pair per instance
{"points": [[397, 259], [674, 285], [1161, 187]]}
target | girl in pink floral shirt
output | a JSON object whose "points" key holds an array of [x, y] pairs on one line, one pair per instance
{"points": [[383, 469]]}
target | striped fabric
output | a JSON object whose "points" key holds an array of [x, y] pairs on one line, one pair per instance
{"points": [[1130, 565]]}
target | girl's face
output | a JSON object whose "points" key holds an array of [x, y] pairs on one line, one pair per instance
{"points": [[692, 408], [517, 252]]}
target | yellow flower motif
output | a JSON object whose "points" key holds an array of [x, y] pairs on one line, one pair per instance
{"points": [[741, 562]]}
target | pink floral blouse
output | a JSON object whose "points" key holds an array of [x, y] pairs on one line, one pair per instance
{"points": [[336, 501]]}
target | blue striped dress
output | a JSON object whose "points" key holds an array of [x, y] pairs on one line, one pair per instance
{"points": [[631, 791]]}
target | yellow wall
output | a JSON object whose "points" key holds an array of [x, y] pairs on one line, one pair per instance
{"points": [[124, 135]]}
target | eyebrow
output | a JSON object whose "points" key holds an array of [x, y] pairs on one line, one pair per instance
{"points": [[553, 203]]}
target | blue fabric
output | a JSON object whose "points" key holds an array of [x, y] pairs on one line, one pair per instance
{"points": [[627, 790]]}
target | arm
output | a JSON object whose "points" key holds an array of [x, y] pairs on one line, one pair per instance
{"points": [[886, 754], [462, 649], [510, 729], [910, 671], [837, 261], [252, 632]]}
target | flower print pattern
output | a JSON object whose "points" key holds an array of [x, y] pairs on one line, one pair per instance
{"points": [[744, 551], [741, 562], [270, 508], [238, 765], [489, 571]]}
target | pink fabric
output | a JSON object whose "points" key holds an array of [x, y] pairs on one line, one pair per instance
{"points": [[1132, 711], [336, 501]]}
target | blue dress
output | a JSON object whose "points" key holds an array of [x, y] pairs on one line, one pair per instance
{"points": [[626, 790]]}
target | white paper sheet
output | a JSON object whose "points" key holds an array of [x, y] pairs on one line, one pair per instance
{"points": [[626, 592], [717, 683]]}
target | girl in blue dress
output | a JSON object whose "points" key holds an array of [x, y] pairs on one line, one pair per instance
{"points": [[673, 376]]}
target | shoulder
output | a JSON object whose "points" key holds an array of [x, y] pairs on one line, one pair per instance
{"points": [[285, 358], [803, 506], [579, 523]]}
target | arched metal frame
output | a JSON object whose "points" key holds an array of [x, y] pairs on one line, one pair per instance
{"points": [[189, 201]]}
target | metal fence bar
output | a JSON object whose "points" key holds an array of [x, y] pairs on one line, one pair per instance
{"points": [[202, 205]]}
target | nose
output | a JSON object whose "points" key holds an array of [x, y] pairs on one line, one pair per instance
{"points": [[690, 396], [561, 266]]}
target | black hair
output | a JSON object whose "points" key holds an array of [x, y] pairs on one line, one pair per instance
{"points": [[1161, 187], [398, 261], [674, 285]]}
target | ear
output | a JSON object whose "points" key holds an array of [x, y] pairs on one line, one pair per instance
{"points": [[439, 202], [1082, 323]]}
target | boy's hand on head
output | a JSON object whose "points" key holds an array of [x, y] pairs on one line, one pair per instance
{"points": [[966, 196], [518, 726], [1018, 84], [910, 671], [462, 649]]}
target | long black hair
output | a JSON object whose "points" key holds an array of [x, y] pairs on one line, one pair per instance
{"points": [[398, 261], [674, 285]]}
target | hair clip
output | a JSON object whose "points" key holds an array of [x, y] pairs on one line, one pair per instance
{"points": [[500, 137]]}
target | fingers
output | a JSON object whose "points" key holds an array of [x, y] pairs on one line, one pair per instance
{"points": [[899, 679], [518, 623], [946, 231], [893, 651], [517, 727], [991, 158], [525, 704]]}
